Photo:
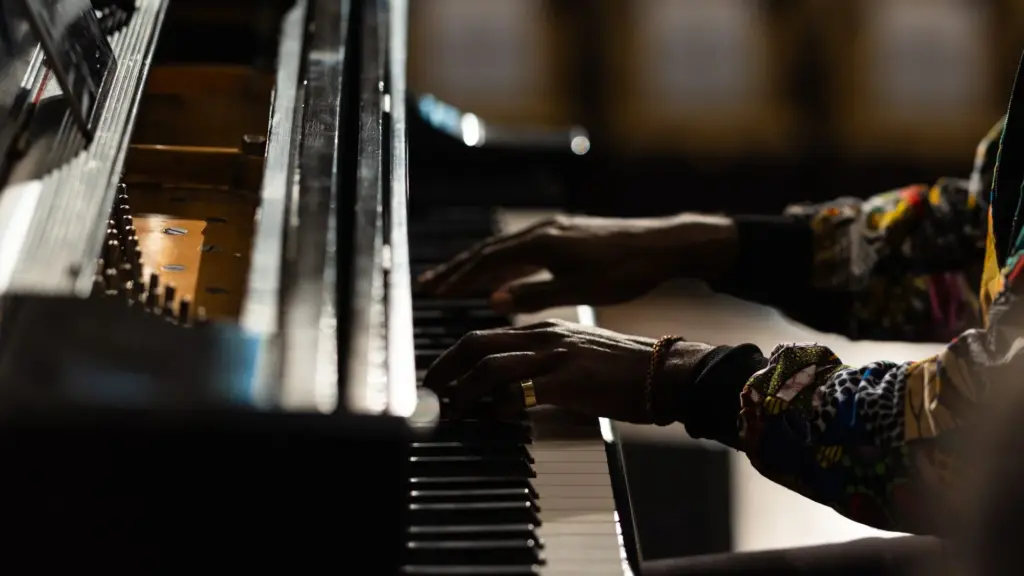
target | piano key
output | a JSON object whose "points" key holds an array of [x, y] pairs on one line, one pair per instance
{"points": [[470, 466], [470, 482], [479, 482], [473, 513], [470, 447], [467, 531], [471, 570], [523, 551], [473, 494]]}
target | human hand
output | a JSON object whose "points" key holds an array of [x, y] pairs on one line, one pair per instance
{"points": [[595, 261], [587, 370]]}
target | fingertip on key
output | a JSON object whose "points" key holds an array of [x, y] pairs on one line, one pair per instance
{"points": [[501, 301]]}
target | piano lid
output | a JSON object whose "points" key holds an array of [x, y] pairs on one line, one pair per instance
{"points": [[77, 52]]}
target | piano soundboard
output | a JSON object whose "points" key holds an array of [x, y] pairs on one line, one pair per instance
{"points": [[228, 247]]}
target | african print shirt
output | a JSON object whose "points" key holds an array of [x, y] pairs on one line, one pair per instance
{"points": [[886, 444]]}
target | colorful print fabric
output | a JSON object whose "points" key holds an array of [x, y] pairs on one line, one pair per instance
{"points": [[884, 444]]}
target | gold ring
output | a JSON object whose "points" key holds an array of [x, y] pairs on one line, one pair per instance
{"points": [[529, 395]]}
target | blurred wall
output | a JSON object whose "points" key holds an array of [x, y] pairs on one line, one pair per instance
{"points": [[738, 105]]}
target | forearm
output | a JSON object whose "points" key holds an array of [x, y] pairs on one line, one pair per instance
{"points": [[827, 431]]}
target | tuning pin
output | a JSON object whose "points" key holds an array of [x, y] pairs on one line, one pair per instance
{"points": [[110, 280], [99, 286], [137, 292], [169, 295], [153, 300], [127, 273], [154, 282], [130, 232], [184, 308], [110, 252], [201, 316]]}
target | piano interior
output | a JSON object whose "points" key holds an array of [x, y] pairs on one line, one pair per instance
{"points": [[182, 227]]}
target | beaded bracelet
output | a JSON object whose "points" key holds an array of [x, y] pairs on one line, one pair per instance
{"points": [[657, 359]]}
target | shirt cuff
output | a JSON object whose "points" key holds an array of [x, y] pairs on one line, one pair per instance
{"points": [[708, 403], [775, 256]]}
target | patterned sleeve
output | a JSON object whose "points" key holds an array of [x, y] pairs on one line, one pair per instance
{"points": [[908, 259], [884, 444]]}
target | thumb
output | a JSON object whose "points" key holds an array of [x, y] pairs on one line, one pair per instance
{"points": [[533, 297]]}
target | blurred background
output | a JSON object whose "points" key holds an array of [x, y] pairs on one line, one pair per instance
{"points": [[739, 105]]}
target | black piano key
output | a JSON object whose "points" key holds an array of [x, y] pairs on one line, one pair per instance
{"points": [[468, 318], [424, 532], [441, 330], [472, 448], [447, 466], [473, 495], [455, 305], [503, 552], [442, 513], [419, 570], [473, 509], [435, 341], [471, 483]]}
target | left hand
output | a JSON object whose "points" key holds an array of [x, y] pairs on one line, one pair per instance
{"points": [[588, 370]]}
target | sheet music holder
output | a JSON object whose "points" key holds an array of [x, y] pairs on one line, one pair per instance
{"points": [[78, 53]]}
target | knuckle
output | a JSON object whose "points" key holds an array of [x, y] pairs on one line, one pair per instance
{"points": [[472, 339], [560, 221], [486, 368], [555, 323]]}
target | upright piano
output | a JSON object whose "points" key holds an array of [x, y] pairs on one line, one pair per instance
{"points": [[209, 344]]}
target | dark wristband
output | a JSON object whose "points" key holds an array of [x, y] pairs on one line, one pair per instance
{"points": [[710, 402]]}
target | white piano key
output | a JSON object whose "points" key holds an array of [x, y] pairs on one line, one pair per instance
{"points": [[568, 480], [578, 504], [569, 457], [553, 491], [571, 468], [569, 446], [579, 530]]}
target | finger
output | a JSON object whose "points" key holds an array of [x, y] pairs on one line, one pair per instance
{"points": [[495, 266], [491, 377], [432, 279], [468, 351], [534, 297]]}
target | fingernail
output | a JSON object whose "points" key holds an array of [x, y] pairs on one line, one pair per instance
{"points": [[425, 277], [501, 301]]}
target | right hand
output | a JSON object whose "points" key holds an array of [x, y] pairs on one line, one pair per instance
{"points": [[595, 261]]}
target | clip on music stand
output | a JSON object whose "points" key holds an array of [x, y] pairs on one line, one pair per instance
{"points": [[78, 53]]}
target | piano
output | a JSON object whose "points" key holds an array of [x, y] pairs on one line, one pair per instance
{"points": [[208, 333]]}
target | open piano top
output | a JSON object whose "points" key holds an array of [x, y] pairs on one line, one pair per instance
{"points": [[242, 363]]}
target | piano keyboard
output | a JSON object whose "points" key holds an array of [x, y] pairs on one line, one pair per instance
{"points": [[500, 498]]}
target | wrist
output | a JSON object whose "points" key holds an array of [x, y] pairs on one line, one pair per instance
{"points": [[671, 377], [702, 246]]}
